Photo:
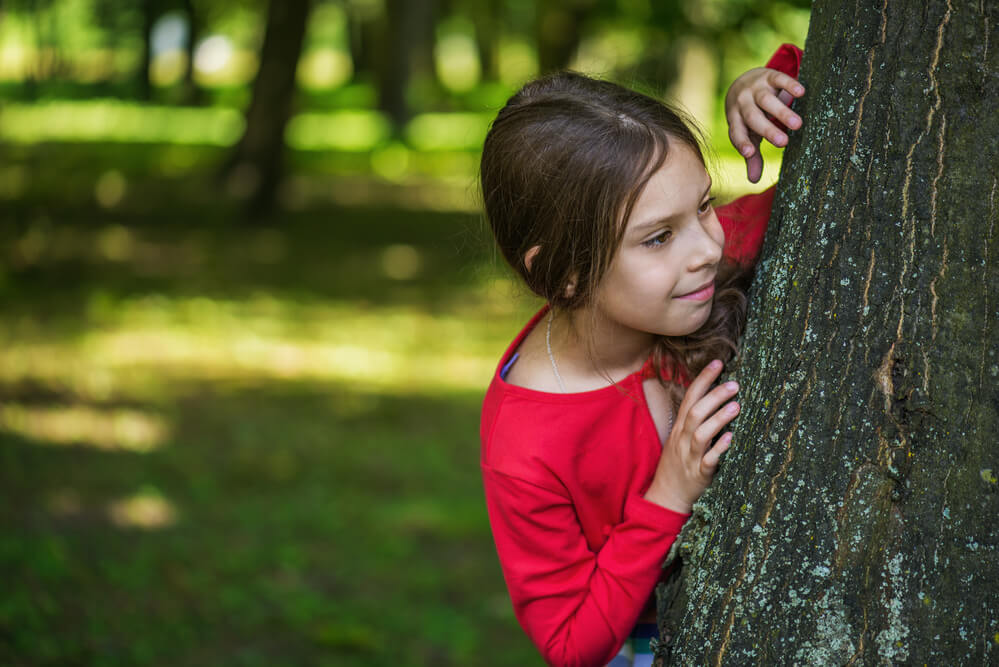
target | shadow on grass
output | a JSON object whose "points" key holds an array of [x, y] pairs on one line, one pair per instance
{"points": [[293, 522], [160, 504]]}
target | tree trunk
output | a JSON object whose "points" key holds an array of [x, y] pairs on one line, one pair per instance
{"points": [[254, 169], [487, 17], [148, 21], [559, 31], [193, 93], [406, 52], [854, 520]]}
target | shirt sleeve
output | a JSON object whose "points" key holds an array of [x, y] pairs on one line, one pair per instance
{"points": [[787, 59], [576, 605], [745, 219]]}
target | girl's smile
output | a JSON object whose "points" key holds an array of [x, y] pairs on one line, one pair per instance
{"points": [[701, 293]]}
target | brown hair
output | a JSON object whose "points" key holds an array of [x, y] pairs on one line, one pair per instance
{"points": [[562, 167]]}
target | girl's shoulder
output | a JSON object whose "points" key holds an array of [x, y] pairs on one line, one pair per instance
{"points": [[532, 367]]}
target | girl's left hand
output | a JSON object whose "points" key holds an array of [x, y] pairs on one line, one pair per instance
{"points": [[753, 102]]}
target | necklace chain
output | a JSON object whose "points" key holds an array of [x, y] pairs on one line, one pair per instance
{"points": [[548, 344], [558, 376]]}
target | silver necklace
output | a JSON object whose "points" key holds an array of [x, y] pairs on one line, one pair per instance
{"points": [[558, 376], [548, 344]]}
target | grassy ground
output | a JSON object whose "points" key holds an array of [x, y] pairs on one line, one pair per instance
{"points": [[223, 444]]}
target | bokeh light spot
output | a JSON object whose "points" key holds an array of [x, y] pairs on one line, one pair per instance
{"points": [[391, 162], [110, 188], [115, 243], [145, 509], [401, 262], [117, 429]]}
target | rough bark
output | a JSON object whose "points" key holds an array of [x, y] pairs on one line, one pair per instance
{"points": [[854, 520], [255, 165]]}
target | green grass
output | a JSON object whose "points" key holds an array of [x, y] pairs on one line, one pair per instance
{"points": [[235, 445]]}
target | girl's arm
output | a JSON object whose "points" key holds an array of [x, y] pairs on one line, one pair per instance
{"points": [[576, 605]]}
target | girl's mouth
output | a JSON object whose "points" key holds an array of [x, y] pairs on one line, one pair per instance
{"points": [[701, 294]]}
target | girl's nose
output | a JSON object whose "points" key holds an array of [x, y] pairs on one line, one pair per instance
{"points": [[707, 251]]}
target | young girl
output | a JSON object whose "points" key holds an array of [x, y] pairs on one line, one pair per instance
{"points": [[599, 198]]}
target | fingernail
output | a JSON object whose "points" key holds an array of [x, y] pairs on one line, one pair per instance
{"points": [[732, 408], [794, 123], [732, 386], [746, 151], [800, 90], [716, 364]]}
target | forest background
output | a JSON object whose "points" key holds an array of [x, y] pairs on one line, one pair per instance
{"points": [[235, 434]]}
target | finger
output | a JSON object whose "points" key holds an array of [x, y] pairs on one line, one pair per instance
{"points": [[754, 164], [773, 106], [709, 462], [759, 124], [707, 431], [698, 388], [738, 133], [782, 81], [707, 406]]}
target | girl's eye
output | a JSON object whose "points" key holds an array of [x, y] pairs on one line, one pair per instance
{"points": [[658, 239], [706, 206]]}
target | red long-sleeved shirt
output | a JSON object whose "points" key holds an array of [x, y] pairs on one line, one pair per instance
{"points": [[565, 476]]}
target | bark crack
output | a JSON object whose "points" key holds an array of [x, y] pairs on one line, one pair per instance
{"points": [[764, 519], [943, 519], [870, 78], [936, 179], [867, 282], [935, 87]]}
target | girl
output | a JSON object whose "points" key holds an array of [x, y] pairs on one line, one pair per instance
{"points": [[599, 198]]}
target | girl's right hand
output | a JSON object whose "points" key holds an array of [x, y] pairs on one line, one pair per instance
{"points": [[688, 461]]}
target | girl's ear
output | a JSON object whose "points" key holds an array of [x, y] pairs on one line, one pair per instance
{"points": [[530, 255], [570, 289]]}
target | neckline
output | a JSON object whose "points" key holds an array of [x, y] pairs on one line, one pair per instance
{"points": [[627, 384]]}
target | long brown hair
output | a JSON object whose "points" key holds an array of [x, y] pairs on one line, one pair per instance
{"points": [[562, 167]]}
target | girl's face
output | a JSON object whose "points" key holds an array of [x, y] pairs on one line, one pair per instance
{"points": [[661, 281]]}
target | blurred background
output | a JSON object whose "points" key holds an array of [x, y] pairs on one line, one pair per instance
{"points": [[249, 308]]}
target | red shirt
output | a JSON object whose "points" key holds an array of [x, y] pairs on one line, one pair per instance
{"points": [[564, 477]]}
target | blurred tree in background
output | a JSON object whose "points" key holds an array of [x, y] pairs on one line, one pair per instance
{"points": [[388, 62], [256, 444]]}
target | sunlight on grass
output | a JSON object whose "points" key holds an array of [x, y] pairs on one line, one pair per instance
{"points": [[112, 120], [146, 509], [449, 131], [145, 345], [114, 429], [337, 130]]}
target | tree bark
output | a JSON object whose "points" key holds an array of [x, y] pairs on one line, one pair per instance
{"points": [[854, 520], [255, 166]]}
